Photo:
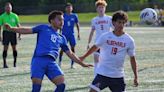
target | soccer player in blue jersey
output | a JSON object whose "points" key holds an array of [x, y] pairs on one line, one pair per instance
{"points": [[70, 19], [48, 44]]}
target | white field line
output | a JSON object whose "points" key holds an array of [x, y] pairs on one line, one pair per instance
{"points": [[148, 90], [142, 28]]}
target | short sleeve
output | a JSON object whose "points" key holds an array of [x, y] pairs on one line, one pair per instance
{"points": [[1, 20], [131, 49], [17, 19], [76, 18], [92, 24], [64, 45]]}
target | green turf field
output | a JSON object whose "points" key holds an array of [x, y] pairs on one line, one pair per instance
{"points": [[83, 17], [149, 54]]}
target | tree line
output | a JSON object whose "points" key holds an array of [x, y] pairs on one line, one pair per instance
{"points": [[44, 6]]}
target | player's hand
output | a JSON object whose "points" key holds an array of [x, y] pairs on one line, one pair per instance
{"points": [[87, 65], [78, 37], [135, 82], [7, 26]]}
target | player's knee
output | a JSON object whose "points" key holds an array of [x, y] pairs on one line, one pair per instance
{"points": [[60, 88], [4, 54]]}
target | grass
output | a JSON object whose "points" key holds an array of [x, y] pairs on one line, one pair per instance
{"points": [[149, 54], [83, 17]]}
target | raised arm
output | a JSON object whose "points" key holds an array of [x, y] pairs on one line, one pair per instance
{"points": [[21, 30], [90, 51]]}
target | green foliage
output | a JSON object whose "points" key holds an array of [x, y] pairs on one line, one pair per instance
{"points": [[83, 17]]}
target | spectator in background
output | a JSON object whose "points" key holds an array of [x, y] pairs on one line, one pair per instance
{"points": [[9, 36]]}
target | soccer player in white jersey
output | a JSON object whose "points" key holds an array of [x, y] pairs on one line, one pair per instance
{"points": [[113, 48], [100, 24]]}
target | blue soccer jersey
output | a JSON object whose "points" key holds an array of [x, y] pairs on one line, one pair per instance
{"points": [[69, 22], [49, 41]]}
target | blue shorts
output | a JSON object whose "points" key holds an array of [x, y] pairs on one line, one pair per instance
{"points": [[114, 84], [45, 65], [71, 39]]}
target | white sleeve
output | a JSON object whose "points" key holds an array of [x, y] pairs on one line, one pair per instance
{"points": [[93, 24], [131, 49]]}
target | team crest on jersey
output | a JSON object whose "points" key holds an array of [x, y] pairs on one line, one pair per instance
{"points": [[72, 19], [53, 38]]}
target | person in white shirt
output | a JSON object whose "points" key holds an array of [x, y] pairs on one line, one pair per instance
{"points": [[114, 46], [99, 24]]}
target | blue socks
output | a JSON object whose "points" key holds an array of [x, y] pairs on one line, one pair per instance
{"points": [[36, 87], [60, 88]]}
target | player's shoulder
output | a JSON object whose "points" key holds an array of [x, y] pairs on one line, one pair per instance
{"points": [[95, 18], [42, 26], [107, 34], [108, 17], [129, 37], [74, 14], [14, 14], [3, 14]]}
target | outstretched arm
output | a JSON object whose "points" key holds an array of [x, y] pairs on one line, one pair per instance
{"points": [[21, 30], [90, 51], [71, 55], [135, 70]]}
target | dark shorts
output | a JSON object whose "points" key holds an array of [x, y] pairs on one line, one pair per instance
{"points": [[9, 37], [98, 51], [114, 84]]}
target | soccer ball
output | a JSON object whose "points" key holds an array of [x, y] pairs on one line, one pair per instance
{"points": [[148, 16]]}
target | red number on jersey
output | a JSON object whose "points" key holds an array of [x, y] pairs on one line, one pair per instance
{"points": [[114, 50]]}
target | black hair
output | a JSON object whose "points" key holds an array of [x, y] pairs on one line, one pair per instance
{"points": [[68, 4], [53, 14], [120, 15]]}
